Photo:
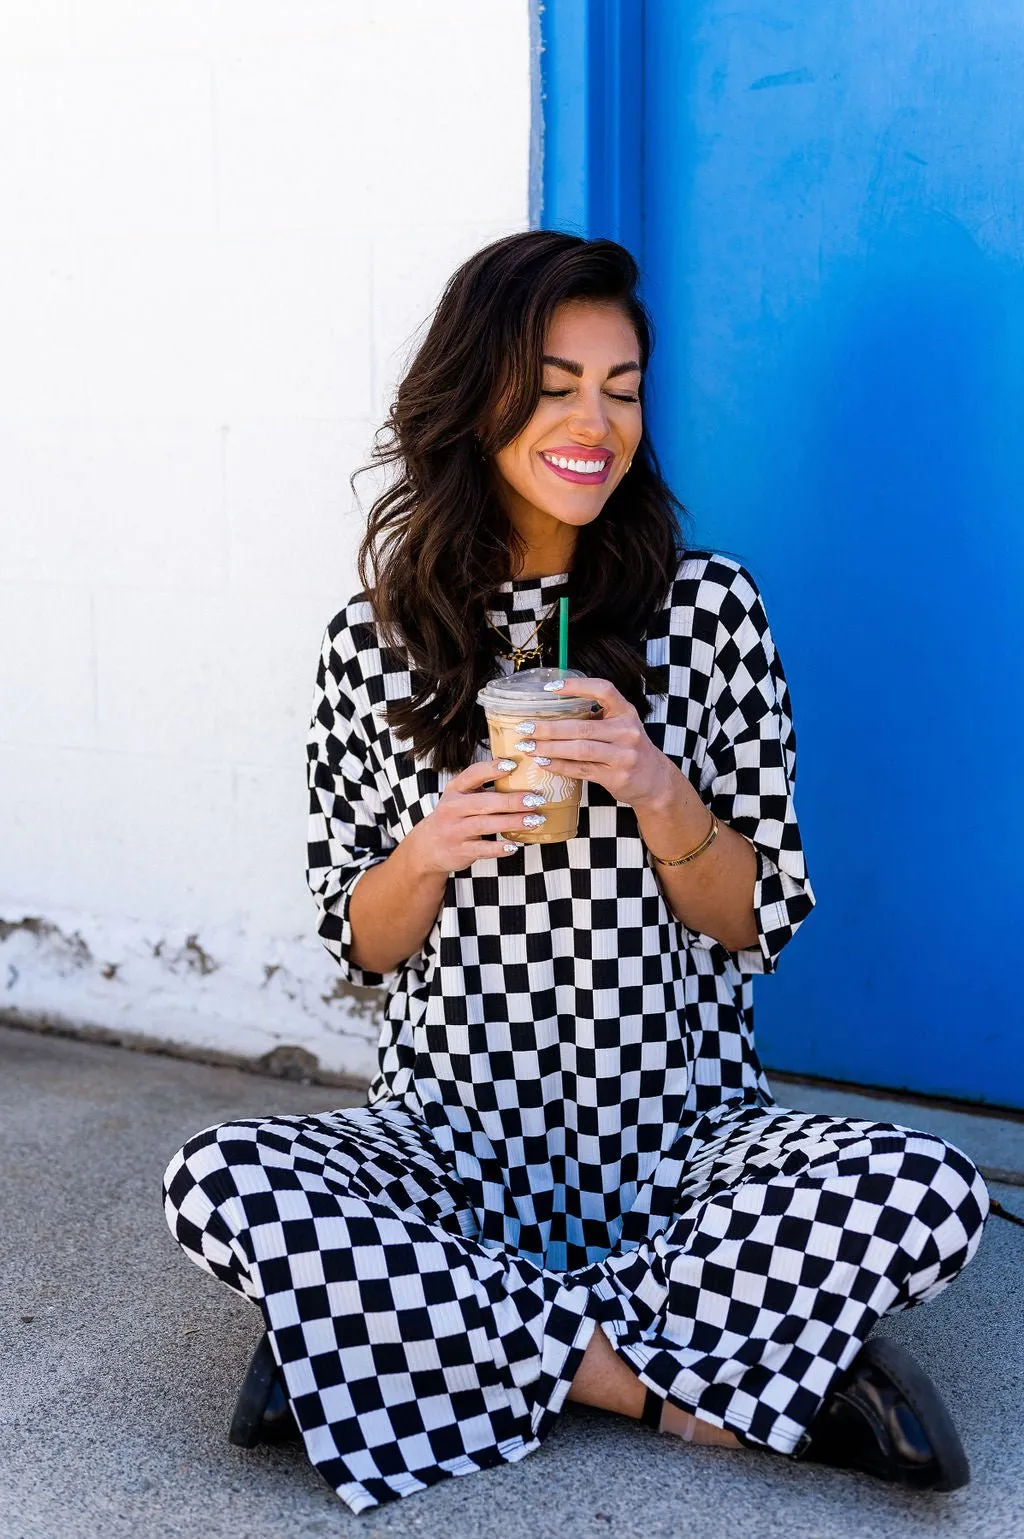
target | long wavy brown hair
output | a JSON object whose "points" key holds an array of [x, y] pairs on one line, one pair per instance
{"points": [[438, 541]]}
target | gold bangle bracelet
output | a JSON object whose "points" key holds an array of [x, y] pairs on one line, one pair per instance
{"points": [[705, 844]]}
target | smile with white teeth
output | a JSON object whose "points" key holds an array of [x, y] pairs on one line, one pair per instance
{"points": [[582, 467]]}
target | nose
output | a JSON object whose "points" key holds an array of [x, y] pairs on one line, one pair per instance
{"points": [[588, 418]]}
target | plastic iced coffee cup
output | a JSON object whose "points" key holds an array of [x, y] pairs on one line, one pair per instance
{"points": [[521, 697]]}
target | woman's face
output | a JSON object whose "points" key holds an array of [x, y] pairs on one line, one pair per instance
{"points": [[589, 415]]}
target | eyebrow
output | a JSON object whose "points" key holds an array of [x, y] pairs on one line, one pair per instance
{"points": [[571, 367]]}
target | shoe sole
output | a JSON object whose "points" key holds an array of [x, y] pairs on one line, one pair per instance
{"points": [[929, 1408], [246, 1424]]}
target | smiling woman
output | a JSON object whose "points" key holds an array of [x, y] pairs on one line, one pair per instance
{"points": [[535, 356], [584, 432], [571, 1179]]}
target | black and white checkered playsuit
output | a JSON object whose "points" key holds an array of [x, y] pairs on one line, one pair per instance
{"points": [[569, 1124]]}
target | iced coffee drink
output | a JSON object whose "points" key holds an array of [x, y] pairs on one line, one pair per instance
{"points": [[521, 697]]}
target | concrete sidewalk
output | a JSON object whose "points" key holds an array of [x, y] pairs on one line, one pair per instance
{"points": [[121, 1360]]}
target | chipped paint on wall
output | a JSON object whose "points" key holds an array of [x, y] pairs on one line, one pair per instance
{"points": [[216, 990]]}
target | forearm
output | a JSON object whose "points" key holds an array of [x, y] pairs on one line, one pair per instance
{"points": [[714, 893], [393, 908]]}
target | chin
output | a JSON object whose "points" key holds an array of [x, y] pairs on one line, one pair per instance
{"points": [[573, 510], [576, 520], [578, 515]]}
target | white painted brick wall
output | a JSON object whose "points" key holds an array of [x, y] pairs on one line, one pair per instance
{"points": [[222, 224]]}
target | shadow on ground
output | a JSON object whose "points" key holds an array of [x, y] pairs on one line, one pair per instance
{"points": [[122, 1360]]}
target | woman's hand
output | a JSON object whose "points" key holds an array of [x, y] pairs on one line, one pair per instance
{"points": [[456, 833], [612, 749]]}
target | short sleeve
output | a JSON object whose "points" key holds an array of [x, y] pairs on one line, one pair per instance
{"points": [[347, 831], [750, 768]]}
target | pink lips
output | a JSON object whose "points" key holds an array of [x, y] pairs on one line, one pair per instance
{"points": [[575, 452]]}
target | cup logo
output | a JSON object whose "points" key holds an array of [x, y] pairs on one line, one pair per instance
{"points": [[554, 788]]}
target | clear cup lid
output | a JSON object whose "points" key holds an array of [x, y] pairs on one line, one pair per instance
{"points": [[525, 691]]}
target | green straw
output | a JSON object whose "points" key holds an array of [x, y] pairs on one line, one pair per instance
{"points": [[563, 633]]}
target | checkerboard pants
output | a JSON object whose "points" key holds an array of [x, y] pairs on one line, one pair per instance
{"points": [[411, 1353]]}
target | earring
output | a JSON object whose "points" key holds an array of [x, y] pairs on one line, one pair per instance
{"points": [[626, 471]]}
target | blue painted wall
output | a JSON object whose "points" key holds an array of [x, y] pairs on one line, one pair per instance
{"points": [[832, 231], [591, 70]]}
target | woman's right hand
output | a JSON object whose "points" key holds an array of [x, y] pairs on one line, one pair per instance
{"points": [[462, 826]]}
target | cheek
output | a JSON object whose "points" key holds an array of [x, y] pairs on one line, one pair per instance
{"points": [[513, 465]]}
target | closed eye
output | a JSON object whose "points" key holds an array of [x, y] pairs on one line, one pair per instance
{"points": [[614, 394]]}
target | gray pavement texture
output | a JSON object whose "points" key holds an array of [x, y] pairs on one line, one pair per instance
{"points": [[121, 1361]]}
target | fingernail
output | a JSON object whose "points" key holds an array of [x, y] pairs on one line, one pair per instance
{"points": [[526, 727], [534, 820], [506, 766], [510, 848], [531, 799], [541, 759], [555, 684], [527, 745]]}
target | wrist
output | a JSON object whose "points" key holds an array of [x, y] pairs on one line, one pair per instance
{"points": [[673, 818], [416, 857], [668, 795]]}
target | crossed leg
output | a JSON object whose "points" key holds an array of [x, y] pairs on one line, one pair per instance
{"points": [[603, 1381], [794, 1233]]}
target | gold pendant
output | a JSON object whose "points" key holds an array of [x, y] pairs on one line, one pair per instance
{"points": [[520, 654]]}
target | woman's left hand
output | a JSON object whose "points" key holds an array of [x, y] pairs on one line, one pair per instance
{"points": [[612, 749]]}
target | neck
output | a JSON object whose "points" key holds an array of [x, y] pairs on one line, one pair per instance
{"points": [[550, 544]]}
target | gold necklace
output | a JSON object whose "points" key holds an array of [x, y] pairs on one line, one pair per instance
{"points": [[520, 654]]}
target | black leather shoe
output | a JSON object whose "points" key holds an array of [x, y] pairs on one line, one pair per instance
{"points": [[886, 1418], [262, 1413]]}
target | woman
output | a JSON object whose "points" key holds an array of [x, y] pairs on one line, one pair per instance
{"points": [[571, 1180]]}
